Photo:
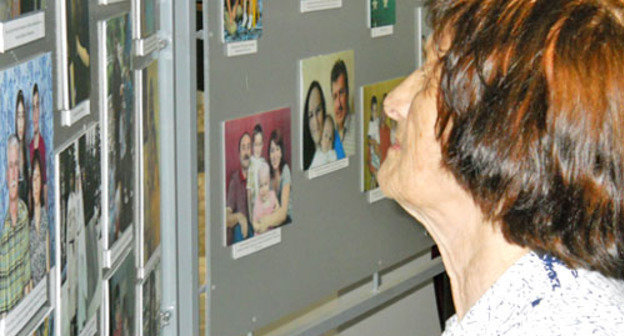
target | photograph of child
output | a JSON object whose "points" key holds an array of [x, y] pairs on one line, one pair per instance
{"points": [[382, 13], [325, 83], [151, 162], [27, 200], [120, 122], [152, 293], [378, 129], [258, 177], [11, 9], [78, 51], [242, 20], [80, 224], [326, 152], [121, 301]]}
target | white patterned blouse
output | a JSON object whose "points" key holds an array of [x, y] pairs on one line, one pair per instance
{"points": [[540, 296]]}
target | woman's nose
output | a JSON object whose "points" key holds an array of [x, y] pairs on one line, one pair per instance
{"points": [[398, 101]]}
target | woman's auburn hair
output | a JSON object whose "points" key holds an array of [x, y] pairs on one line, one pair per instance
{"points": [[531, 120]]}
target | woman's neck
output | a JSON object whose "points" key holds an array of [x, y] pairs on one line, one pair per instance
{"points": [[481, 263], [474, 252]]}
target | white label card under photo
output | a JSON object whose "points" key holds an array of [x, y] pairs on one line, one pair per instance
{"points": [[382, 31], [146, 46], [21, 314], [257, 243], [21, 31], [375, 195], [241, 48], [327, 168], [69, 117], [317, 5], [90, 328]]}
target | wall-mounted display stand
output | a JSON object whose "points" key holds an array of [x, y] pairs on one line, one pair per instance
{"points": [[336, 237], [118, 136]]}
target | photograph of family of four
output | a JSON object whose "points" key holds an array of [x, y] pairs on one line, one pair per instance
{"points": [[258, 175]]}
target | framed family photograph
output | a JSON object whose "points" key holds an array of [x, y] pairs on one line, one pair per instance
{"points": [[80, 253], [329, 120], [27, 184], [258, 180], [118, 136]]}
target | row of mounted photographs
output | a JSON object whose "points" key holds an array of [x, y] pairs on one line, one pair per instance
{"points": [[258, 149], [242, 19], [69, 220]]}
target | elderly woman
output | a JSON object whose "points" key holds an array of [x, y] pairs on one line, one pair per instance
{"points": [[510, 151]]}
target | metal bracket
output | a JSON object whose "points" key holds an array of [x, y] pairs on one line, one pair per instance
{"points": [[165, 316], [376, 282]]}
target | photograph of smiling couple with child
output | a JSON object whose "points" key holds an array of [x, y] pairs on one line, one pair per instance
{"points": [[257, 174], [328, 117]]}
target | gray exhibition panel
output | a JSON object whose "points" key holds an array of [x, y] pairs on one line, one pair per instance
{"points": [[336, 238]]}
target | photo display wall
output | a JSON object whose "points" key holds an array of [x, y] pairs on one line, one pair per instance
{"points": [[69, 186], [324, 63]]}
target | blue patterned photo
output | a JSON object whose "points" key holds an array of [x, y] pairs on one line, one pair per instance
{"points": [[27, 222]]}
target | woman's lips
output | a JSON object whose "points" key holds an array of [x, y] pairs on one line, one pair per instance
{"points": [[396, 146]]}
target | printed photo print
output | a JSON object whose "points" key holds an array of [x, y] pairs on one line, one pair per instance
{"points": [[242, 20], [149, 18], [379, 130], [80, 207], [150, 161], [152, 295], [78, 51], [327, 113], [258, 176], [120, 124], [382, 13], [27, 201], [121, 304], [11, 9]]}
